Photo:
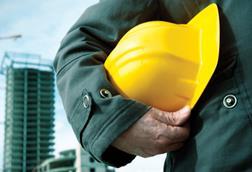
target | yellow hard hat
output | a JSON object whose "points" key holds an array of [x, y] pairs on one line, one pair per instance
{"points": [[166, 65]]}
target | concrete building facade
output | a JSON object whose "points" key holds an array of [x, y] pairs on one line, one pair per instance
{"points": [[29, 113]]}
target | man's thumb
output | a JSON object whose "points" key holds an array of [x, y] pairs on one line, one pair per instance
{"points": [[179, 117]]}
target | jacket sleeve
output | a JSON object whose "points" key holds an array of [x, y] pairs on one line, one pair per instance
{"points": [[98, 121]]}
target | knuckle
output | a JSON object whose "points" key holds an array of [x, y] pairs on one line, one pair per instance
{"points": [[174, 131], [158, 134], [161, 142], [178, 133], [159, 131], [153, 112], [173, 118]]}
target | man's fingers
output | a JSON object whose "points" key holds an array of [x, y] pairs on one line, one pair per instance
{"points": [[174, 133], [155, 132], [172, 118]]}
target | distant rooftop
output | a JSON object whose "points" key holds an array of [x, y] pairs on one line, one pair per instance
{"points": [[24, 60], [68, 153]]}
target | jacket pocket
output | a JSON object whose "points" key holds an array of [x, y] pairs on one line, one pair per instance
{"points": [[81, 115]]}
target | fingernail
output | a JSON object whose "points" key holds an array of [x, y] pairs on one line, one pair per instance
{"points": [[186, 109]]}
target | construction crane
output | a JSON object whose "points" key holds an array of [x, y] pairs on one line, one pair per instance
{"points": [[14, 37]]}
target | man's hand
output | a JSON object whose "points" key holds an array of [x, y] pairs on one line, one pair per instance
{"points": [[155, 133]]}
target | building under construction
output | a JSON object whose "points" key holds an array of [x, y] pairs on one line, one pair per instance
{"points": [[29, 112]]}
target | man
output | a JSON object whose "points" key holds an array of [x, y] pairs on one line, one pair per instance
{"points": [[114, 129]]}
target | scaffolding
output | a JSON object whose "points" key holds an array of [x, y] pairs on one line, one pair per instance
{"points": [[29, 111]]}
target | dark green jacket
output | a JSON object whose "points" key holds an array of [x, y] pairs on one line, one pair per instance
{"points": [[221, 137]]}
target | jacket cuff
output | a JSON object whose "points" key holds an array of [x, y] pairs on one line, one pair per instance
{"points": [[99, 143], [116, 157]]}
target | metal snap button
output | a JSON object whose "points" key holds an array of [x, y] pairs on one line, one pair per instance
{"points": [[105, 93], [229, 101], [86, 101]]}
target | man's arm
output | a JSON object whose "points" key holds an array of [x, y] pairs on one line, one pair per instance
{"points": [[96, 120]]}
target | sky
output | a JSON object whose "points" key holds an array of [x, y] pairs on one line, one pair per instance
{"points": [[42, 25]]}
